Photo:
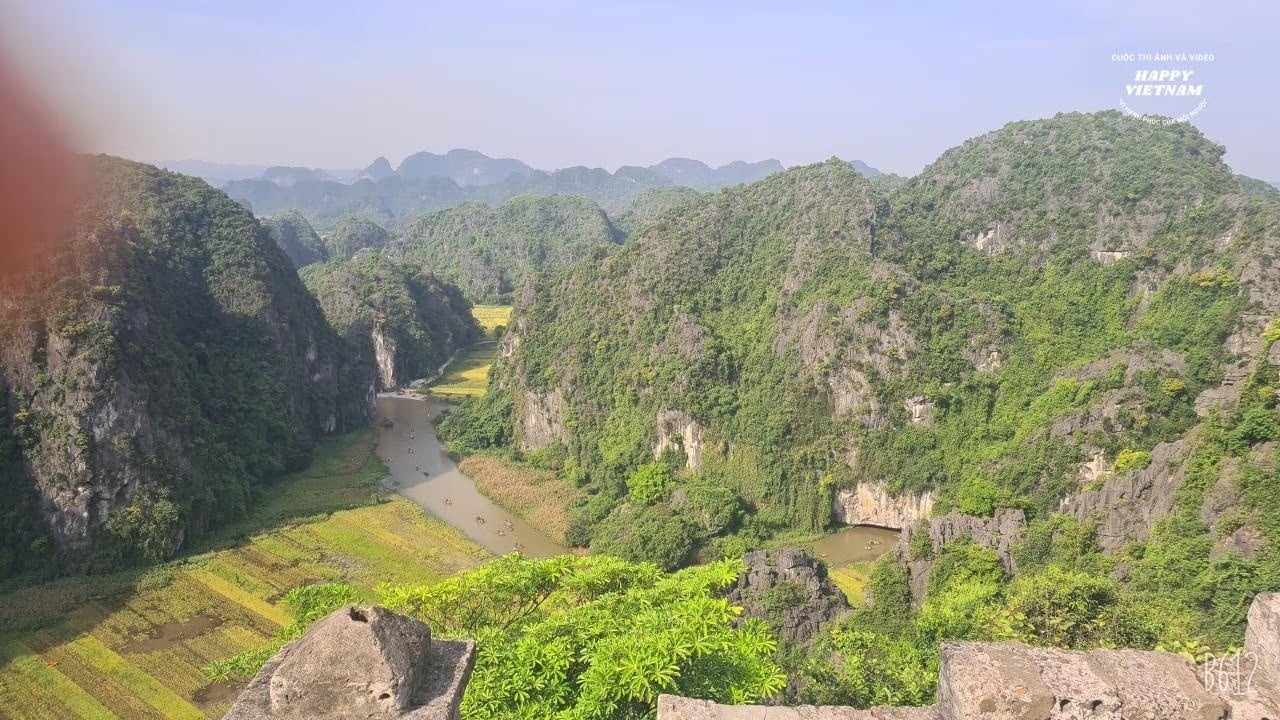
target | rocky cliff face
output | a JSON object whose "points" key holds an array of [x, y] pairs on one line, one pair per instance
{"points": [[1129, 504], [679, 432], [871, 503], [790, 590], [998, 533], [156, 367]]}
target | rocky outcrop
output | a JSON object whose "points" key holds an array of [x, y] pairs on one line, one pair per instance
{"points": [[790, 590], [999, 681], [368, 662], [919, 411], [871, 503], [384, 357], [540, 420], [156, 363], [1128, 505], [998, 533], [361, 662], [678, 431]]}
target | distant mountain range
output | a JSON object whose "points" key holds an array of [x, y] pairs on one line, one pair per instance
{"points": [[426, 182], [470, 168]]}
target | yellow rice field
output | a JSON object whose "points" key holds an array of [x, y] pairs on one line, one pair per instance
{"points": [[133, 645]]}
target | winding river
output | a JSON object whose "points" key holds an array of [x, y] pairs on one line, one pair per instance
{"points": [[422, 471]]}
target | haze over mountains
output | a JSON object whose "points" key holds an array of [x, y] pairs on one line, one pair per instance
{"points": [[425, 182]]}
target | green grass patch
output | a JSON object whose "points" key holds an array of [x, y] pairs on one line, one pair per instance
{"points": [[852, 579]]}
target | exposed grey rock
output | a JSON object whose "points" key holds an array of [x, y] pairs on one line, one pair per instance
{"points": [[1262, 637], [540, 419], [871, 503], [361, 662], [1010, 681], [677, 430], [821, 601], [997, 533], [1128, 505], [673, 707]]}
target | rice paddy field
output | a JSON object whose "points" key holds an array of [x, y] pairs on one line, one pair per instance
{"points": [[132, 645], [852, 579], [468, 375]]}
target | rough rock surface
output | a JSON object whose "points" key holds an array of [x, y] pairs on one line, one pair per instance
{"points": [[361, 662], [1258, 698], [1128, 505], [997, 533], [871, 503], [673, 707], [1008, 681], [677, 430], [540, 420], [819, 600]]}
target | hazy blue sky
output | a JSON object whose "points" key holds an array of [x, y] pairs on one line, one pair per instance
{"points": [[605, 83]]}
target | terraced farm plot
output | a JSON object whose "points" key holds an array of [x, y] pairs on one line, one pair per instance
{"points": [[133, 645]]}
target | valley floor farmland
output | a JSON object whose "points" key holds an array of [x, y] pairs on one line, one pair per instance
{"points": [[132, 645], [468, 374]]}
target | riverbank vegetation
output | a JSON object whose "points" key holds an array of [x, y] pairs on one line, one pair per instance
{"points": [[538, 495]]}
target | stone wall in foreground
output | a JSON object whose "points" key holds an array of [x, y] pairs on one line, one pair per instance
{"points": [[1012, 681]]}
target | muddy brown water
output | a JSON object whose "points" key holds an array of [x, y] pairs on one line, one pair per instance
{"points": [[410, 447], [858, 543], [218, 693], [169, 634]]}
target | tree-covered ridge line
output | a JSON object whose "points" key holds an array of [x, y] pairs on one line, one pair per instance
{"points": [[488, 251], [402, 321], [1045, 313], [485, 250]]}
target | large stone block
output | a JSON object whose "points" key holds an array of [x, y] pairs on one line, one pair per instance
{"points": [[360, 662], [1010, 681], [1262, 638]]}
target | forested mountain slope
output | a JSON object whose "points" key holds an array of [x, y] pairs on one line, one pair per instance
{"points": [[158, 365], [351, 235], [487, 251], [1062, 314], [297, 238], [401, 321], [649, 204]]}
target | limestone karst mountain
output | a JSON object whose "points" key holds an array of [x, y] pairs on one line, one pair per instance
{"points": [[159, 365], [1067, 316]]}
